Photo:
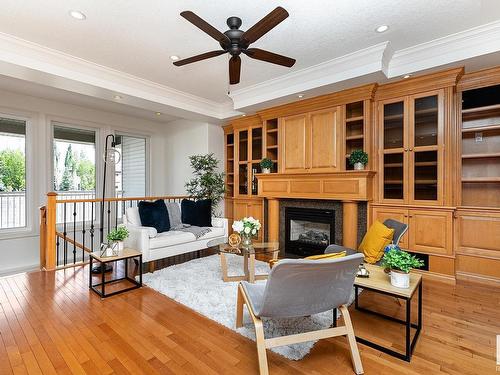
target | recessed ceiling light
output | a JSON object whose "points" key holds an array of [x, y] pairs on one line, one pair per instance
{"points": [[300, 96], [174, 57], [76, 14], [118, 97], [158, 113], [407, 76], [382, 28]]}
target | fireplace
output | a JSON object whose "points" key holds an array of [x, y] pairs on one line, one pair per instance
{"points": [[308, 231]]}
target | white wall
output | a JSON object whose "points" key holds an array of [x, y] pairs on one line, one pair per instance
{"points": [[19, 251]]}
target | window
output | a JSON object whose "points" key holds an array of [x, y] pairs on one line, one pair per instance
{"points": [[131, 171], [74, 162], [12, 173]]}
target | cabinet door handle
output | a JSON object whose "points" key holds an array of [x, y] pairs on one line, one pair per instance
{"points": [[411, 149], [406, 150]]}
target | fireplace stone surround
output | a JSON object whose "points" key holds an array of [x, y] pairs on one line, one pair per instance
{"points": [[335, 205]]}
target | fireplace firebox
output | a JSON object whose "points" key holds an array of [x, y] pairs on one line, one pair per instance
{"points": [[308, 231]]}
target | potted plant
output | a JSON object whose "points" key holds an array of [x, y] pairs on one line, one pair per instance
{"points": [[400, 263], [207, 182], [117, 236], [358, 159], [247, 228], [266, 164]]}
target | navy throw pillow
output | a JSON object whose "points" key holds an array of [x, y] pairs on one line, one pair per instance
{"points": [[154, 214], [198, 213]]}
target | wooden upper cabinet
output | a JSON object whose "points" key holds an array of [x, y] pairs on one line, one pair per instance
{"points": [[324, 141], [310, 142], [412, 149], [295, 148]]}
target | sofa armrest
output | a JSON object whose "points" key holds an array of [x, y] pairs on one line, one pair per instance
{"points": [[221, 222], [138, 239]]}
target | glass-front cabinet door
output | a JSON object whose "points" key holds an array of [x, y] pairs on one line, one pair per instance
{"points": [[242, 157], [249, 153], [426, 148], [394, 156]]}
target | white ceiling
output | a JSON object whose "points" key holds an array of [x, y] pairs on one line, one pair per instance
{"points": [[137, 37]]}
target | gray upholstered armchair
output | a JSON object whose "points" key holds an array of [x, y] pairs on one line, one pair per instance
{"points": [[399, 230], [301, 287]]}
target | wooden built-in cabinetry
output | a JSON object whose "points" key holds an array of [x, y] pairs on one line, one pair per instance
{"points": [[434, 158]]}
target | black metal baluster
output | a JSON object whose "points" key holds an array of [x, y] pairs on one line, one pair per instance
{"points": [[116, 214], [74, 232], [65, 245], [109, 214], [57, 251], [92, 227], [83, 231]]}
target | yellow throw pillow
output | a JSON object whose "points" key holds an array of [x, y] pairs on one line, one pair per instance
{"points": [[327, 256], [375, 241]]}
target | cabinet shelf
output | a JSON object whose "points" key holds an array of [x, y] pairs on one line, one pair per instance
{"points": [[354, 137], [481, 109], [480, 179], [354, 119], [272, 147], [482, 156], [481, 129], [272, 130], [230, 145]]}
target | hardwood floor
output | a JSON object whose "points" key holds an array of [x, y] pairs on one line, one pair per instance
{"points": [[50, 323]]}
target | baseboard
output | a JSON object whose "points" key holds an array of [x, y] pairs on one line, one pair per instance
{"points": [[448, 279], [478, 279], [18, 270]]}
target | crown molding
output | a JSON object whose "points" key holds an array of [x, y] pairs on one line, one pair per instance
{"points": [[47, 66], [366, 61], [453, 48]]}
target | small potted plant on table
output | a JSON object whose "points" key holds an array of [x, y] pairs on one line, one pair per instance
{"points": [[117, 236], [266, 164], [400, 263], [358, 159]]}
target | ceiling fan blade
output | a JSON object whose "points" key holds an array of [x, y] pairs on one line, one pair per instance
{"points": [[206, 27], [264, 25], [234, 70], [196, 58], [274, 58]]}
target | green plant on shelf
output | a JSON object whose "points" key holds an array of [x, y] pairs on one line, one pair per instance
{"points": [[358, 156], [118, 234], [266, 163]]}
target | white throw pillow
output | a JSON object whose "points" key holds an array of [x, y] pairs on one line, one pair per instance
{"points": [[133, 216]]}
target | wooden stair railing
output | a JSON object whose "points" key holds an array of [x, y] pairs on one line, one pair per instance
{"points": [[66, 220]]}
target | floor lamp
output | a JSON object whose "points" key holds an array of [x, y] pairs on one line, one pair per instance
{"points": [[113, 156]]}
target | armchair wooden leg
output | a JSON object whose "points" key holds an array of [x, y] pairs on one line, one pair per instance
{"points": [[261, 347], [356, 359], [239, 308]]}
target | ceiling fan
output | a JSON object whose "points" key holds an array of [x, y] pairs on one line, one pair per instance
{"points": [[235, 41]]}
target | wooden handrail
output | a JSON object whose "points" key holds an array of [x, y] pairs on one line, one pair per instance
{"points": [[171, 197], [48, 222], [73, 242]]}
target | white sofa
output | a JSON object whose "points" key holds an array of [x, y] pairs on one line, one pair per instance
{"points": [[156, 246]]}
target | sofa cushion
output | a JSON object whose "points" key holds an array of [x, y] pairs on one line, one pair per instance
{"points": [[133, 217], [154, 214], [174, 214], [375, 241], [171, 238], [198, 213]]}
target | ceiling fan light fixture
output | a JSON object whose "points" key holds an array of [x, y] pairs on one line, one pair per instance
{"points": [[382, 29], [77, 15]]}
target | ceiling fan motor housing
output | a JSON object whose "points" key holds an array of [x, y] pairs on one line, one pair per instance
{"points": [[234, 35]]}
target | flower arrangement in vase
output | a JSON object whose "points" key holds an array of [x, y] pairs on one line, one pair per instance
{"points": [[247, 228]]}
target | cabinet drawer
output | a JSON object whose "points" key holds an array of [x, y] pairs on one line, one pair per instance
{"points": [[430, 231]]}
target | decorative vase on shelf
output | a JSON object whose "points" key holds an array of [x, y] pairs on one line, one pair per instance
{"points": [[400, 279], [266, 170], [359, 166]]}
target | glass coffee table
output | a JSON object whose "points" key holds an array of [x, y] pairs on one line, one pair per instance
{"points": [[270, 249]]}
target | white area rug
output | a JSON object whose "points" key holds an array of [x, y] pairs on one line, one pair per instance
{"points": [[198, 284]]}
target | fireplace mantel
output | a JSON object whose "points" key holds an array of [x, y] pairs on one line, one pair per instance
{"points": [[345, 185]]}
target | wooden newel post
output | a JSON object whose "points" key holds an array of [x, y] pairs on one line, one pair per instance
{"points": [[50, 235]]}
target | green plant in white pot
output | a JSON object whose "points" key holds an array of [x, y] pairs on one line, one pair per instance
{"points": [[267, 165], [400, 263], [358, 159], [117, 236]]}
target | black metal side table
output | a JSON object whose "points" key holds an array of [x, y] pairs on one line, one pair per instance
{"points": [[378, 282], [125, 255]]}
